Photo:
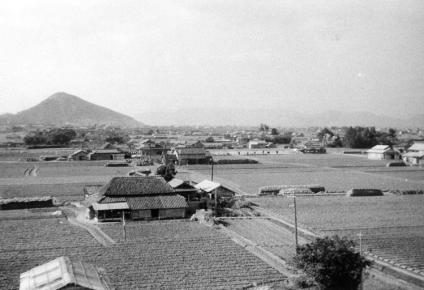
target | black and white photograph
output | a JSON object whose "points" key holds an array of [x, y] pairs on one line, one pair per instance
{"points": [[212, 144]]}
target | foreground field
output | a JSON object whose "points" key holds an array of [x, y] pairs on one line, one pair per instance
{"points": [[391, 226], [265, 233], [171, 255]]}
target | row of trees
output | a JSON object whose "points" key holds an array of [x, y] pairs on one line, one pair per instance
{"points": [[358, 137], [56, 136]]}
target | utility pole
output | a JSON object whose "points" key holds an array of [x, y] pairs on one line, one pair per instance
{"points": [[216, 201], [124, 232], [212, 170], [361, 284], [295, 221]]}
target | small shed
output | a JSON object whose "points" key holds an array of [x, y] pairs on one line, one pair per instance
{"points": [[213, 188], [184, 188], [64, 273], [414, 154], [382, 152], [78, 155], [106, 154]]}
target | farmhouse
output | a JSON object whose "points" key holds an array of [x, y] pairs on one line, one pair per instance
{"points": [[184, 188], [78, 155], [64, 273], [192, 155], [150, 148], [382, 152], [148, 197], [106, 154], [415, 154], [256, 144], [212, 188]]}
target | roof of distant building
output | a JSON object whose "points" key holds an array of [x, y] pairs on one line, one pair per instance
{"points": [[379, 149], [418, 146], [136, 185], [207, 185]]}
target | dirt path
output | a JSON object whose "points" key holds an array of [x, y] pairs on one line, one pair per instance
{"points": [[78, 219]]}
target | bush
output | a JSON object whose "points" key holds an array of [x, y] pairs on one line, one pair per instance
{"points": [[236, 161], [364, 192], [395, 163], [332, 263]]}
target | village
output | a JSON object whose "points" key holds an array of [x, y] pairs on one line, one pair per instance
{"points": [[248, 145], [134, 181]]}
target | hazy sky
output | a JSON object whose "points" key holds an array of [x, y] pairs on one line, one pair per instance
{"points": [[138, 56]]}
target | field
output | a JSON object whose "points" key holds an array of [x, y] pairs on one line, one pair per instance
{"points": [[63, 180], [265, 233], [336, 172], [391, 226], [19, 153], [172, 255]]}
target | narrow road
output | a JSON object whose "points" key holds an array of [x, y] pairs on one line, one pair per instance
{"points": [[78, 219]]}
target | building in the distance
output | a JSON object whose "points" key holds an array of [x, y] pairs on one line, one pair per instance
{"points": [[414, 154], [382, 152]]}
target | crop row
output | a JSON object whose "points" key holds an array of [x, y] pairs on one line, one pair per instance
{"points": [[41, 233], [160, 260], [391, 226], [266, 234]]}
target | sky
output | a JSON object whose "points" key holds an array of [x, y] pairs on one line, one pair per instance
{"points": [[139, 57]]}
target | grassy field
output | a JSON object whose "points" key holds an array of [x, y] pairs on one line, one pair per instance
{"points": [[63, 180], [60, 169], [336, 172], [16, 154], [392, 226], [156, 255]]}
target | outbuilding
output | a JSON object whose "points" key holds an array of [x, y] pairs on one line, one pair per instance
{"points": [[213, 188], [106, 154], [414, 154], [382, 152], [64, 273]]}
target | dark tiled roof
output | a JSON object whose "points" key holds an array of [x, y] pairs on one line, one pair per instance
{"points": [[156, 202], [107, 199], [136, 186], [190, 150]]}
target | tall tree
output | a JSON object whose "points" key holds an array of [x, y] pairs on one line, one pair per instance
{"points": [[332, 262]]}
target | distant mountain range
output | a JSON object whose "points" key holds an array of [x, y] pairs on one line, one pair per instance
{"points": [[65, 109], [276, 117]]}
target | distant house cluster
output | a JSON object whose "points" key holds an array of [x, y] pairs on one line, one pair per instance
{"points": [[414, 155]]}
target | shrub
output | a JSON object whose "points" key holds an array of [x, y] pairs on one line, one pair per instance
{"points": [[364, 192], [395, 163], [332, 263]]}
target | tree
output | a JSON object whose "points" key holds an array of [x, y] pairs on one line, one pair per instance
{"points": [[166, 171], [324, 133], [209, 139], [332, 262], [274, 131], [263, 128], [36, 138], [360, 137], [59, 136]]}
